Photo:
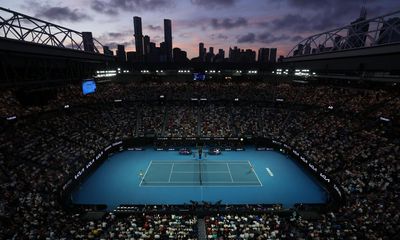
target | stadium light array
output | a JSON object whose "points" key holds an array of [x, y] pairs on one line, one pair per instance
{"points": [[11, 118], [384, 119], [105, 73], [302, 72], [145, 71]]}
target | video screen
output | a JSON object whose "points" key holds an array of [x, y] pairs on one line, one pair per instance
{"points": [[88, 86], [199, 76]]}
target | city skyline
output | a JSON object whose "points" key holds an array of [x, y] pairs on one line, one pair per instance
{"points": [[217, 23]]}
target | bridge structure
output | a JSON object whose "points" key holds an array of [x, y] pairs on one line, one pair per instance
{"points": [[37, 52], [364, 46]]}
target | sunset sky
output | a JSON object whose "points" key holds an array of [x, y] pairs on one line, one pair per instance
{"points": [[218, 23]]}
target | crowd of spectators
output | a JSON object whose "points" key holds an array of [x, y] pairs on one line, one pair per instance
{"points": [[352, 133]]}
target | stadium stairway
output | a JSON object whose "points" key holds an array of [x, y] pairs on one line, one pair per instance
{"points": [[201, 227]]}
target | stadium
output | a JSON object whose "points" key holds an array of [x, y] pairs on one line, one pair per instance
{"points": [[93, 147]]}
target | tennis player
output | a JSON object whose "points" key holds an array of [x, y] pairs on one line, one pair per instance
{"points": [[141, 175]]}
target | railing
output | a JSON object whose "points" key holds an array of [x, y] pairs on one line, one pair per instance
{"points": [[18, 26], [359, 34]]}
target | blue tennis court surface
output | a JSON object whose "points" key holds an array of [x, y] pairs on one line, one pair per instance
{"points": [[198, 173], [170, 178]]}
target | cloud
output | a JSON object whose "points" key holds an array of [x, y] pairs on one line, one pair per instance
{"points": [[228, 23], [60, 13], [114, 45], [112, 7], [115, 35], [211, 4], [268, 37], [154, 28], [248, 38], [102, 7], [294, 22], [219, 36], [265, 37], [297, 38], [330, 14]]}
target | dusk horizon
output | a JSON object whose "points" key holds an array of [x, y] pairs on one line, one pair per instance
{"points": [[220, 24]]}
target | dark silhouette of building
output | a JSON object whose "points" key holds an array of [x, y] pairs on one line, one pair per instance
{"points": [[121, 55], [107, 51], [263, 55], [202, 52], [131, 57], [168, 39], [88, 44], [307, 49], [272, 55], [146, 45], [137, 23], [210, 55], [299, 50], [357, 34], [236, 55], [220, 57], [154, 55], [390, 31], [179, 55], [163, 52]]}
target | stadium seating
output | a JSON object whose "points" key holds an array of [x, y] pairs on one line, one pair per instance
{"points": [[340, 128]]}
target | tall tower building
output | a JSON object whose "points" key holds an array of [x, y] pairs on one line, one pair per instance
{"points": [[137, 24], [202, 52], [263, 55], [146, 47], [272, 55], [168, 39], [357, 34], [121, 54]]}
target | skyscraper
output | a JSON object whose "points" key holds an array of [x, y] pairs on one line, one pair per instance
{"points": [[179, 55], [107, 51], [272, 55], [88, 44], [168, 39], [263, 55], [137, 23], [202, 52], [121, 55], [146, 47], [358, 32]]}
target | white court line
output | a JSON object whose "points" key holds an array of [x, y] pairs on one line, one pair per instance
{"points": [[230, 174], [140, 184], [202, 172], [255, 173], [205, 186], [270, 172], [170, 173], [196, 183], [195, 162]]}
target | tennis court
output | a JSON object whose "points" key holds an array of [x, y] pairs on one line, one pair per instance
{"points": [[200, 173]]}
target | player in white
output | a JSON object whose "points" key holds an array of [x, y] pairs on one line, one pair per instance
{"points": [[141, 176]]}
